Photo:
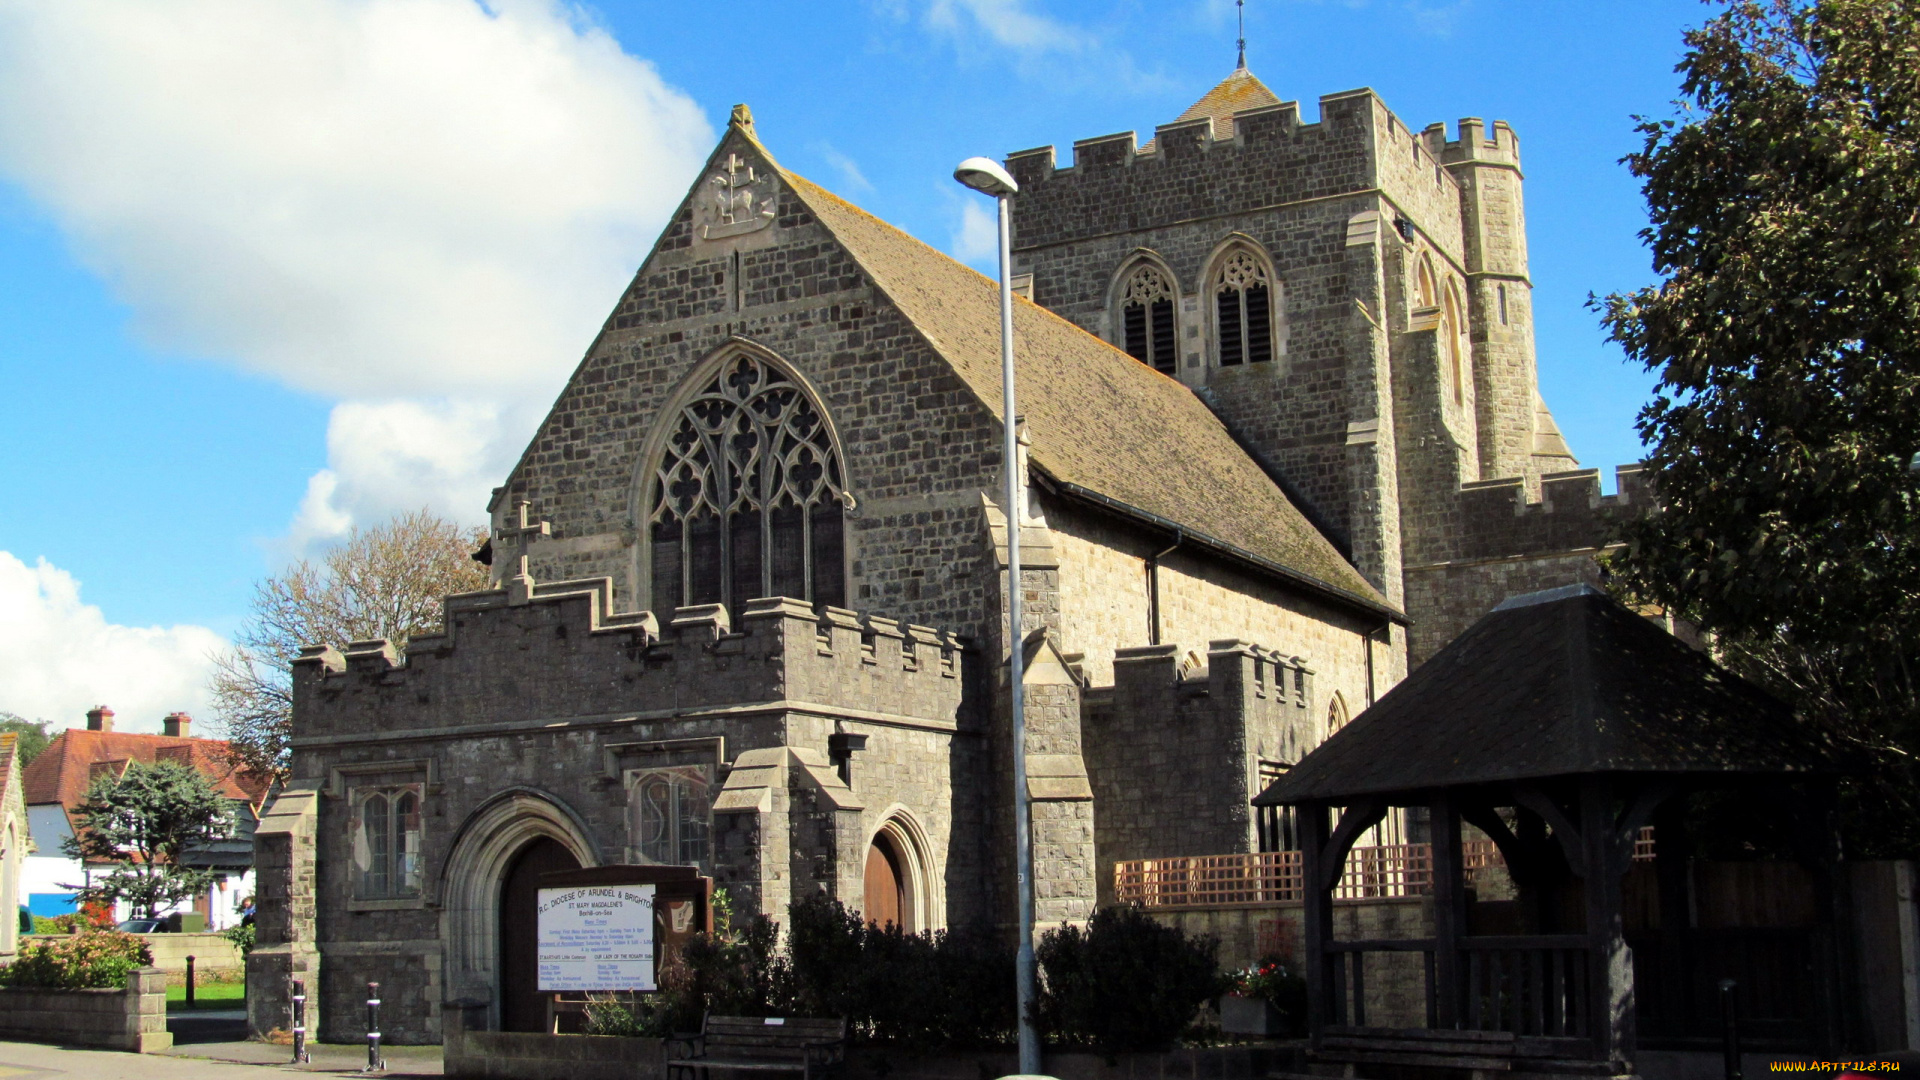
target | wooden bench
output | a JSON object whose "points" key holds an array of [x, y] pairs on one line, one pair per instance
{"points": [[1483, 1051], [790, 1044]]}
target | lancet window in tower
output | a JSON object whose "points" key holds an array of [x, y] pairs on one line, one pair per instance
{"points": [[748, 496], [1243, 309], [1146, 318]]}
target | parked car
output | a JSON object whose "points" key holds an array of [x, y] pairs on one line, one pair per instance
{"points": [[144, 926]]}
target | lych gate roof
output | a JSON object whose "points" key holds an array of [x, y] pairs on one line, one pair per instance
{"points": [[1559, 683], [1100, 421]]}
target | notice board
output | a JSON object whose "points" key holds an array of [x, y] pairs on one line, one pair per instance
{"points": [[596, 937], [681, 906]]}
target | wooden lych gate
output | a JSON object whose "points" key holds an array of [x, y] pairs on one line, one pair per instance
{"points": [[1558, 727]]}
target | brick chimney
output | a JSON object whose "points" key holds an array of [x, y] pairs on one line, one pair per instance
{"points": [[99, 718], [175, 725]]}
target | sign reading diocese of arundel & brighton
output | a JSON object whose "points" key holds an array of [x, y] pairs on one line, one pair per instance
{"points": [[596, 937]]}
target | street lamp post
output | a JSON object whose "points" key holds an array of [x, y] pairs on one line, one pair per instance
{"points": [[986, 176]]}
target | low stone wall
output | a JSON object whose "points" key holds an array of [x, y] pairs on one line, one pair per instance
{"points": [[515, 1055], [1249, 933], [134, 1018], [512, 1055]]}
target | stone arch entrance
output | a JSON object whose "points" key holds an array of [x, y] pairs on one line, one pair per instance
{"points": [[477, 869], [520, 1005], [900, 886]]}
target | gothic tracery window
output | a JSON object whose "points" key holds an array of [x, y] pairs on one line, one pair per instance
{"points": [[670, 816], [1243, 309], [748, 496], [1450, 330], [1146, 318]]}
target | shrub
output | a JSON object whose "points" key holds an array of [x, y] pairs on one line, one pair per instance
{"points": [[1126, 982], [89, 960], [925, 990], [733, 973], [642, 1016], [71, 923], [243, 937]]}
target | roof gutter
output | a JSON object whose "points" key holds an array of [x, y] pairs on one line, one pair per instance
{"points": [[1265, 565]]}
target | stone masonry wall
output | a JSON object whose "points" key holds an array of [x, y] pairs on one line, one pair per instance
{"points": [[1173, 750], [553, 699]]}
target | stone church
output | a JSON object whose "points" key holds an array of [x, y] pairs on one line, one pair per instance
{"points": [[1282, 438]]}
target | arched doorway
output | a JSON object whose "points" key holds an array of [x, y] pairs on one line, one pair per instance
{"points": [[886, 899], [520, 1006]]}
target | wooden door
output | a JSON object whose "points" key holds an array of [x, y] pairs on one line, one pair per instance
{"points": [[883, 892], [522, 1008]]}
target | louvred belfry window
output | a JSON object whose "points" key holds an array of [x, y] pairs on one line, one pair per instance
{"points": [[1146, 318], [1243, 308], [748, 496]]}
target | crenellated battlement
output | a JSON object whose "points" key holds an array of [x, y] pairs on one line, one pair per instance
{"points": [[564, 652], [1498, 521], [1476, 143]]}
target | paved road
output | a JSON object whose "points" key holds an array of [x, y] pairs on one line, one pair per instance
{"points": [[205, 1061]]}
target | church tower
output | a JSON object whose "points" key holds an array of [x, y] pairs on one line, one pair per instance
{"points": [[1349, 296]]}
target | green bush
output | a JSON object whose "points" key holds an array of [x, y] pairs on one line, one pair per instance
{"points": [[243, 937], [1126, 982], [636, 1017], [927, 990], [71, 923], [88, 960]]}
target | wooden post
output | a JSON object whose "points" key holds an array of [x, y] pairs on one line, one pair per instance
{"points": [[1449, 905], [1611, 966], [1833, 936], [1671, 851], [1316, 917]]}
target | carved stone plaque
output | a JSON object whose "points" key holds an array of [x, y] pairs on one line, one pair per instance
{"points": [[734, 201]]}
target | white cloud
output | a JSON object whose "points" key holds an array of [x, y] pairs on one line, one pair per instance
{"points": [[849, 169], [976, 240], [1008, 23], [60, 657], [422, 208]]}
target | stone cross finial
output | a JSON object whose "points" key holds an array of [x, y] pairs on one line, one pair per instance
{"points": [[520, 585]]}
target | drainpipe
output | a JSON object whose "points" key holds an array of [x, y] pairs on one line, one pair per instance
{"points": [[1366, 641], [1153, 587]]}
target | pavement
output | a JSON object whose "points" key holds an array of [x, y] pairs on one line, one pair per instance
{"points": [[208, 1061]]}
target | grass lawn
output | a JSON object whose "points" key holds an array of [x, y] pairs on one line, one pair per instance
{"points": [[208, 995]]}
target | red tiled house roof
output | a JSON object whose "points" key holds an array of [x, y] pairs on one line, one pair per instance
{"points": [[64, 770]]}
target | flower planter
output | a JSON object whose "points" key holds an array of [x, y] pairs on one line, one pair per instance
{"points": [[1250, 1016]]}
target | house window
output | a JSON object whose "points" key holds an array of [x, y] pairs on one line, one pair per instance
{"points": [[1146, 318], [386, 843], [670, 816], [1243, 310], [748, 496]]}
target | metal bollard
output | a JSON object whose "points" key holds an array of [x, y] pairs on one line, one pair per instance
{"points": [[189, 980], [1730, 1033], [375, 1063], [300, 1055]]}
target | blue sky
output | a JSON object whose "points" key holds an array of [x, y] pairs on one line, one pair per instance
{"points": [[272, 269]]}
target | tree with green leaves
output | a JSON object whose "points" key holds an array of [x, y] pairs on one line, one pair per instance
{"points": [[386, 581], [144, 822], [33, 735], [1785, 331]]}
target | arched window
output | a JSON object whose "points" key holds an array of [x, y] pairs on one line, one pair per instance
{"points": [[1336, 713], [386, 843], [1146, 318], [748, 496], [1450, 327], [1243, 310], [1425, 293]]}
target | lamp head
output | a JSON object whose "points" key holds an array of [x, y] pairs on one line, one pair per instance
{"points": [[986, 176]]}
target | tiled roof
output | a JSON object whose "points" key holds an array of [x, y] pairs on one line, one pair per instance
{"points": [[65, 768], [1560, 683], [1102, 423], [1237, 92]]}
